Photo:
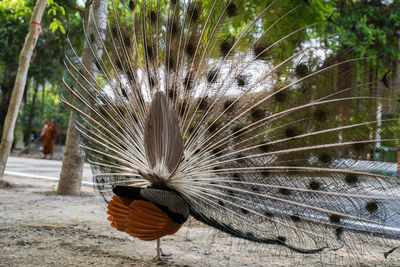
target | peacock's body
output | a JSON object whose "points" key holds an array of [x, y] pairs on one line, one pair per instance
{"points": [[197, 109]]}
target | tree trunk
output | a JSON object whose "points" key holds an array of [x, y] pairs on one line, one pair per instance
{"points": [[345, 80], [20, 81], [28, 131], [71, 171], [43, 101], [396, 86], [72, 167], [6, 89]]}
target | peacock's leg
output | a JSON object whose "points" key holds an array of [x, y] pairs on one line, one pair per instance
{"points": [[158, 249], [160, 253]]}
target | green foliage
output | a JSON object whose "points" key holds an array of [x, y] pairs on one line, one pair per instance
{"points": [[369, 28], [47, 64], [53, 9], [55, 25], [13, 14], [16, 8], [50, 107]]}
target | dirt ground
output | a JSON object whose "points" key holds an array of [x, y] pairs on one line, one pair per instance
{"points": [[39, 228]]}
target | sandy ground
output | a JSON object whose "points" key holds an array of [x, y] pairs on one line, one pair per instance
{"points": [[39, 228]]}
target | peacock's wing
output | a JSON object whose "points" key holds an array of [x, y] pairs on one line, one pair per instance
{"points": [[278, 138]]}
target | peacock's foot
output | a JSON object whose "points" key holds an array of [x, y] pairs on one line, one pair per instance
{"points": [[161, 255], [165, 254]]}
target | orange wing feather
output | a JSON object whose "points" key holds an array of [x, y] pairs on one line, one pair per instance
{"points": [[141, 219]]}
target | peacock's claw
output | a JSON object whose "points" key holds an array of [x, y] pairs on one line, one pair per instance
{"points": [[161, 255]]}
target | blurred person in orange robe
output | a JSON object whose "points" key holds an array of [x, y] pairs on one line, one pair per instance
{"points": [[49, 133]]}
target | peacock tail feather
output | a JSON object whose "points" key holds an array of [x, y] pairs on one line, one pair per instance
{"points": [[257, 128]]}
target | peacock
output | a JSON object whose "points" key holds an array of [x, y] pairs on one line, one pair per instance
{"points": [[255, 129]]}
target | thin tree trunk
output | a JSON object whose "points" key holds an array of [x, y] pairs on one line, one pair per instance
{"points": [[43, 101], [27, 134], [396, 87], [345, 80], [6, 87], [20, 81], [71, 171]]}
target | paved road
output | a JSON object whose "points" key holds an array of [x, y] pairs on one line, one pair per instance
{"points": [[41, 168], [50, 169]]}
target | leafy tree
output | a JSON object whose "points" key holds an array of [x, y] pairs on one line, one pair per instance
{"points": [[19, 85], [370, 28], [46, 66], [14, 17]]}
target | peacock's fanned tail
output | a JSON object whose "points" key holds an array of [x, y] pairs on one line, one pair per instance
{"points": [[268, 146]]}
